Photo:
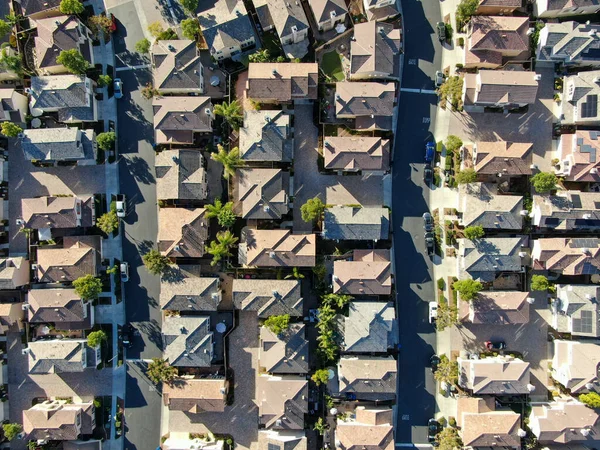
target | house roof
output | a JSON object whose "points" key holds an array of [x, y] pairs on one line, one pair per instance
{"points": [[579, 305], [76, 259], [196, 395], [286, 353], [576, 256], [366, 99], [176, 65], [180, 175], [57, 34], [484, 258], [281, 14], [60, 306], [268, 297], [283, 81], [187, 341], [371, 327], [481, 205], [356, 153], [57, 356], [35, 6], [582, 152], [575, 364], [483, 426], [504, 157], [57, 212], [70, 95], [266, 136], [580, 99], [58, 144], [226, 24], [282, 402], [496, 308], [368, 273], [323, 9], [176, 119], [491, 37], [9, 105], [505, 86], [190, 294], [11, 314], [562, 422], [372, 429], [284, 440], [369, 378], [261, 193], [554, 5], [277, 248], [182, 232], [567, 210], [356, 224], [11, 270], [376, 48], [571, 42], [58, 421], [497, 375], [505, 3]]}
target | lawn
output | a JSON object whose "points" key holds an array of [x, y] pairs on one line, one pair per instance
{"points": [[331, 65]]}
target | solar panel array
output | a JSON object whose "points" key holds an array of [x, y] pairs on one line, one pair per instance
{"points": [[590, 107], [585, 323]]}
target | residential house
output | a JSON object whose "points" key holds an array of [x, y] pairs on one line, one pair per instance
{"points": [[487, 258], [266, 137], [14, 272], [288, 440], [575, 365], [496, 308], [578, 156], [498, 7], [70, 96], [506, 89], [178, 119], [282, 402], [182, 232], [381, 9], [187, 341], [566, 256], [47, 213], [58, 34], [564, 421], [494, 40], [482, 425], [62, 307], [375, 51], [370, 327], [59, 420], [61, 356], [576, 310], [368, 378], [579, 99], [282, 82], [328, 13], [494, 160], [290, 22], [366, 154], [349, 223], [196, 395], [38, 9], [371, 105], [181, 176], [13, 105], [498, 375], [567, 211], [261, 193], [572, 44], [480, 204], [79, 256], [11, 318], [367, 428], [190, 294], [268, 297], [368, 272], [176, 67], [565, 8], [227, 29], [54, 145], [283, 353], [276, 248]]}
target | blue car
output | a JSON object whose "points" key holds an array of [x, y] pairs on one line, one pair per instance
{"points": [[429, 151]]}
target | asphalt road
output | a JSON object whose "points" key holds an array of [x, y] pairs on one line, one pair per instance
{"points": [[414, 279]]}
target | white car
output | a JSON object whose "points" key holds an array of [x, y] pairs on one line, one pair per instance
{"points": [[121, 206], [433, 310], [124, 271], [118, 88], [439, 78]]}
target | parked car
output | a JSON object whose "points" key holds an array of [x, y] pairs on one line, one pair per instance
{"points": [[124, 271], [427, 175], [434, 362], [121, 205], [441, 31], [433, 311], [127, 335], [427, 222], [433, 428], [429, 151], [430, 242], [439, 78], [495, 345], [113, 23], [118, 88]]}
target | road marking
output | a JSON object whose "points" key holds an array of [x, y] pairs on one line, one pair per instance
{"points": [[405, 417], [140, 66], [428, 91], [398, 444], [412, 62], [426, 119], [418, 91]]}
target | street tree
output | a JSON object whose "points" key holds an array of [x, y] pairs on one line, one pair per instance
{"points": [[447, 316], [453, 143], [11, 430], [447, 371], [73, 61], [100, 24], [231, 112], [104, 80], [143, 46], [466, 176], [106, 140], [190, 6], [474, 232], [544, 182], [449, 439], [468, 289], [95, 338], [466, 9], [108, 222], [71, 7], [451, 90], [156, 262], [230, 160], [9, 129], [156, 29], [320, 376], [88, 287], [159, 371], [312, 210], [190, 28], [278, 324]]}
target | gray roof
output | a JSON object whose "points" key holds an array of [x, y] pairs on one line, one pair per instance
{"points": [[579, 305], [266, 136], [505, 87], [483, 259], [580, 97], [261, 193], [371, 102], [322, 9], [569, 4], [480, 204], [370, 327], [57, 212], [9, 109], [59, 356], [369, 378], [70, 95], [58, 144], [356, 224], [567, 210], [14, 272], [57, 34], [376, 48], [571, 42], [283, 14], [286, 352], [180, 175], [226, 25], [60, 306], [268, 297], [187, 341], [35, 6], [176, 65], [190, 294]]}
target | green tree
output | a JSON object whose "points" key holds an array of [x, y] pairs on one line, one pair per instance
{"points": [[320, 376], [108, 222], [223, 212], [73, 61], [539, 283], [591, 399], [230, 160], [95, 338], [231, 112], [11, 430], [10, 62], [222, 246], [296, 274], [159, 371], [447, 371], [32, 445], [278, 324], [190, 28], [5, 28], [466, 176], [312, 210], [9, 129], [148, 91], [449, 439], [320, 426], [451, 90], [453, 143], [71, 7], [106, 140], [337, 300], [189, 5], [156, 29], [468, 289], [104, 80], [88, 287], [167, 35], [259, 56], [474, 232], [447, 316], [100, 23], [544, 182], [156, 262], [143, 46], [465, 9]]}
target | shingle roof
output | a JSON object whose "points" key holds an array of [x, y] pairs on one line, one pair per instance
{"points": [[10, 105], [273, 440], [57, 212], [363, 100], [35, 6], [61, 306], [580, 153], [570, 42], [261, 193], [376, 48], [195, 396], [356, 224], [58, 144], [226, 25], [58, 421], [356, 153], [286, 353], [266, 136], [495, 376], [322, 9], [277, 248], [176, 66], [567, 210], [66, 264], [504, 157], [56, 34], [563, 421], [492, 37], [567, 4], [369, 272], [369, 378], [372, 430], [268, 297], [283, 82], [578, 303], [14, 272], [190, 294], [70, 95], [481, 205], [176, 119], [496, 308], [581, 98], [505, 87], [58, 356], [485, 258], [182, 232], [576, 256], [575, 364], [282, 402], [180, 175], [283, 15], [187, 341], [491, 429], [370, 327]]}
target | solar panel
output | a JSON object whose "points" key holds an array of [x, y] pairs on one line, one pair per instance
{"points": [[590, 107], [576, 200], [586, 321]]}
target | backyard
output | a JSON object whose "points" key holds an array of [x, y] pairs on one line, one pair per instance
{"points": [[331, 64]]}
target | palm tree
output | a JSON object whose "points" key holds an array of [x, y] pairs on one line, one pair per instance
{"points": [[230, 160], [339, 300], [220, 248], [231, 112], [226, 239], [295, 274], [214, 209]]}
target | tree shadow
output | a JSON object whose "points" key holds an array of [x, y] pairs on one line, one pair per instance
{"points": [[139, 168]]}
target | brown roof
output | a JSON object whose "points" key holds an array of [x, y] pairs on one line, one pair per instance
{"points": [[283, 82], [285, 440], [182, 232], [282, 402], [371, 430], [286, 352], [369, 378], [371, 102], [563, 421], [482, 426], [496, 307], [369, 273], [56, 34], [58, 212], [56, 420], [176, 119], [575, 364], [494, 375], [180, 175], [504, 87], [508, 3], [176, 66], [375, 49], [277, 248], [322, 9], [356, 153], [577, 256], [14, 272], [582, 151], [268, 297], [504, 157], [195, 395], [61, 306], [491, 37], [74, 260], [261, 193], [11, 314], [59, 356]]}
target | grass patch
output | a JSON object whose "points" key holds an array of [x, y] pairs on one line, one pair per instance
{"points": [[331, 65]]}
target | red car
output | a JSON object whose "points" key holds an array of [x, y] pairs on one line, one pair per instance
{"points": [[495, 345], [113, 26]]}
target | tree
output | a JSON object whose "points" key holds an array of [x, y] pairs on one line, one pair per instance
{"points": [[95, 338], [148, 91], [539, 283], [449, 439], [466, 176], [167, 35], [465, 9], [447, 371], [106, 140], [224, 213], [320, 426], [453, 143], [296, 274], [9, 129], [231, 112], [230, 160], [190, 28], [451, 90], [71, 7], [278, 324], [337, 300], [156, 262], [73, 61], [156, 29], [5, 28], [189, 5], [100, 23], [474, 232], [220, 248], [591, 399], [544, 182], [320, 376], [159, 371], [104, 80], [143, 46], [468, 289], [312, 210], [108, 222], [9, 62], [259, 56], [11, 430], [447, 316], [88, 287]]}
